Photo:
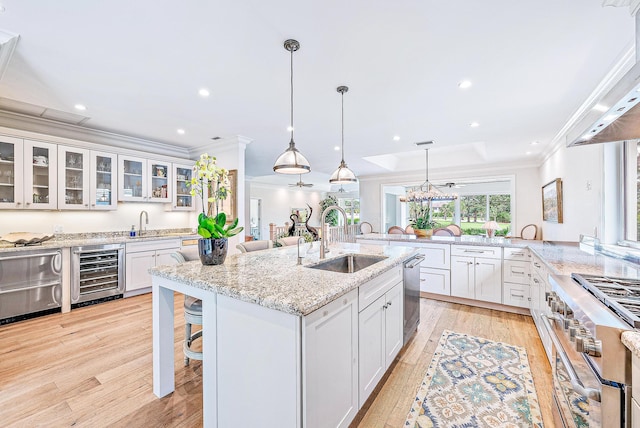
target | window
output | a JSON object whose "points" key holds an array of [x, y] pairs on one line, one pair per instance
{"points": [[352, 208]]}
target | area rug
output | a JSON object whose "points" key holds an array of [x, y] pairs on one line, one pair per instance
{"points": [[475, 382]]}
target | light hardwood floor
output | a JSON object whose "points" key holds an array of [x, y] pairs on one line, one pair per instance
{"points": [[92, 367]]}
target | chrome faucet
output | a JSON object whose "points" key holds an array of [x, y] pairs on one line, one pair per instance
{"points": [[303, 241], [323, 228], [146, 214]]}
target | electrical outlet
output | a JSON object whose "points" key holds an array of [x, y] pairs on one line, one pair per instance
{"points": [[57, 228]]}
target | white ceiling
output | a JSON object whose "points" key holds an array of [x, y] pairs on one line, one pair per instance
{"points": [[138, 65]]}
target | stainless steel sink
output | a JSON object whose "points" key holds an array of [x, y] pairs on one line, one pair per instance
{"points": [[348, 263]]}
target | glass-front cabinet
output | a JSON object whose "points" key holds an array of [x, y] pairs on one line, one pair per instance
{"points": [[73, 178], [11, 172], [40, 175], [104, 181], [182, 199], [144, 180]]}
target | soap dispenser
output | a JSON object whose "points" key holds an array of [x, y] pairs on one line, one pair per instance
{"points": [[132, 233]]}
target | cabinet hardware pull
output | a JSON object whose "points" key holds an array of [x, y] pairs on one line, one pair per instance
{"points": [[517, 295], [474, 251], [388, 304], [519, 272], [384, 306], [423, 280]]}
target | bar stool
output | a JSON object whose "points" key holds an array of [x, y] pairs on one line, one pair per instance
{"points": [[192, 312]]}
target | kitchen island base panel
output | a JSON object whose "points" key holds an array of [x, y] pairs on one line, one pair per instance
{"points": [[476, 303]]}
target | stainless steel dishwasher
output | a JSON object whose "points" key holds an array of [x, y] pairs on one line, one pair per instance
{"points": [[411, 279], [97, 273], [30, 284]]}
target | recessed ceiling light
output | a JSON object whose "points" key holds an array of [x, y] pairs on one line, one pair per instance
{"points": [[464, 84], [180, 131], [2, 9], [528, 153], [474, 124], [336, 148], [203, 92], [396, 138], [289, 128], [80, 107], [600, 107], [535, 143]]}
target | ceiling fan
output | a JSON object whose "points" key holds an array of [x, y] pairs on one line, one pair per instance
{"points": [[301, 183]]}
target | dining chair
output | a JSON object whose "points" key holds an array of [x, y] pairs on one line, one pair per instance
{"points": [[408, 230], [457, 231], [288, 240], [442, 231], [530, 231], [192, 310], [396, 230], [263, 244], [365, 227]]}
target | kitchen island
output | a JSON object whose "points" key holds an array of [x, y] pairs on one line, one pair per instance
{"points": [[284, 345]]}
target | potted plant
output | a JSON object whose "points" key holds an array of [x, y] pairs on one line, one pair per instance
{"points": [[421, 221], [215, 232]]}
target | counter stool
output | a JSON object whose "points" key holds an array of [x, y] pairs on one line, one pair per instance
{"points": [[192, 315], [192, 311]]}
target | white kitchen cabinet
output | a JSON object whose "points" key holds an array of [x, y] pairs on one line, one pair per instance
{"points": [[517, 277], [331, 369], [476, 278], [73, 178], [11, 172], [522, 254], [144, 180], [86, 179], [103, 181], [435, 273], [380, 327], [142, 255], [182, 199], [40, 175]]}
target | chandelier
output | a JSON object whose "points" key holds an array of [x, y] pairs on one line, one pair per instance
{"points": [[427, 191]]}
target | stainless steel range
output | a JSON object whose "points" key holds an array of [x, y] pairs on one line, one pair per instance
{"points": [[591, 366]]}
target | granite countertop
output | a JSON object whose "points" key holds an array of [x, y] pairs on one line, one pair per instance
{"points": [[271, 278], [563, 258], [85, 239], [631, 340]]}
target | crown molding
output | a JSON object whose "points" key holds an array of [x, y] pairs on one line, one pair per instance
{"points": [[222, 145], [51, 127]]}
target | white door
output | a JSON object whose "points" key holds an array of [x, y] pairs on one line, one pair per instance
{"points": [[163, 257], [11, 173], [331, 372], [462, 277], [73, 178], [394, 318], [132, 179], [436, 281], [488, 277], [40, 175], [371, 347]]}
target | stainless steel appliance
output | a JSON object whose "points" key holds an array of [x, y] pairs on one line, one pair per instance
{"points": [[411, 278], [30, 284], [97, 273], [591, 367]]}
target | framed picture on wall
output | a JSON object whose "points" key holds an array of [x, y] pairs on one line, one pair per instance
{"points": [[552, 201], [302, 214], [228, 206]]}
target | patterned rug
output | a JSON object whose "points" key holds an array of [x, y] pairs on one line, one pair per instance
{"points": [[474, 382]]}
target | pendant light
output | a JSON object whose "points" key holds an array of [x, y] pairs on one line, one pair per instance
{"points": [[343, 175], [291, 161], [428, 191]]}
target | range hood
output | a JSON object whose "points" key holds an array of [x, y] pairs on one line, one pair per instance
{"points": [[621, 120]]}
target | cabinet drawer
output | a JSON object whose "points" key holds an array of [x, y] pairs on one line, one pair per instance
{"points": [[371, 241], [515, 295], [437, 256], [516, 254], [476, 251], [370, 291], [436, 281], [539, 266], [159, 244], [516, 271]]}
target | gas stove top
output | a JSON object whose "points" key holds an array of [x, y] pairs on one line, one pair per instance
{"points": [[621, 295]]}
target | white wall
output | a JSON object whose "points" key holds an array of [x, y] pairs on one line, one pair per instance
{"points": [[580, 169], [127, 214], [278, 201], [527, 206]]}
